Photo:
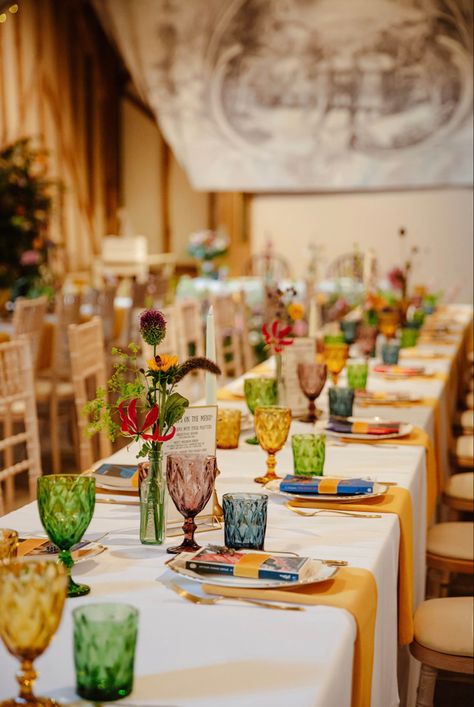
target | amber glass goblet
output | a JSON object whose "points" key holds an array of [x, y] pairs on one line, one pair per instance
{"points": [[259, 392], [32, 597], [272, 425], [389, 320], [8, 544], [190, 479], [66, 504], [366, 339], [312, 377], [335, 357]]}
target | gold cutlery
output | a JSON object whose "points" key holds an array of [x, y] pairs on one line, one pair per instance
{"points": [[114, 500], [336, 511], [194, 599]]}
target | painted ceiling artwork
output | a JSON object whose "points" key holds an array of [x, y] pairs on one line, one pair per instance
{"points": [[305, 95]]}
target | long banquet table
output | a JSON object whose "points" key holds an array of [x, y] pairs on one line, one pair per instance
{"points": [[234, 655]]}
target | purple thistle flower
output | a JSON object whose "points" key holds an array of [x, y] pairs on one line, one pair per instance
{"points": [[152, 326]]}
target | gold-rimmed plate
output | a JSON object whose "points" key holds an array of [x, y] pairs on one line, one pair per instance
{"points": [[319, 572], [380, 489]]}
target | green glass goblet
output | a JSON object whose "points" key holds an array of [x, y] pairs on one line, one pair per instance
{"points": [[259, 393], [66, 504]]}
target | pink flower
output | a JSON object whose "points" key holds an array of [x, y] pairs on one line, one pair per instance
{"points": [[30, 257], [129, 426]]}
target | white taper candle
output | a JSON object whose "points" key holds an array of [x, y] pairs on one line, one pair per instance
{"points": [[211, 380]]}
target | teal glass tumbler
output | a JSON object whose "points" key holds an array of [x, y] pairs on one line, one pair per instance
{"points": [[409, 337], [390, 353], [309, 453], [341, 402], [245, 520], [105, 637], [357, 374], [349, 330]]}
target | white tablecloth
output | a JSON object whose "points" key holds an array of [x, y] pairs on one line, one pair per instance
{"points": [[235, 655]]}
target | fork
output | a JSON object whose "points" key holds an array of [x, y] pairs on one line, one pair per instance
{"points": [[318, 512], [195, 599]]}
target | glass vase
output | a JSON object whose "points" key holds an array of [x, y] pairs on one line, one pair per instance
{"points": [[152, 501]]}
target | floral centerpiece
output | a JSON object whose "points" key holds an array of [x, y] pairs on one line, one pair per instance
{"points": [[26, 200], [277, 337], [146, 409], [205, 246]]}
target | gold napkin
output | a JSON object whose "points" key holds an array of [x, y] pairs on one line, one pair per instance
{"points": [[353, 589], [396, 500]]}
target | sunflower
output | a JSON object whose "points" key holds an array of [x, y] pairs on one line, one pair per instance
{"points": [[162, 363]]}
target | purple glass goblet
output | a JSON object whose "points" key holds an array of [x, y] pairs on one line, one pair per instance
{"points": [[312, 377], [190, 479], [366, 339]]}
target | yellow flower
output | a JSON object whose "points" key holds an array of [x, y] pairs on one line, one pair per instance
{"points": [[165, 362], [296, 311]]}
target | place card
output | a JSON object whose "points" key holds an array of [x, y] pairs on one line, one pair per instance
{"points": [[302, 350], [195, 433]]}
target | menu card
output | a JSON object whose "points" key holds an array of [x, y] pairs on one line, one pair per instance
{"points": [[302, 350], [196, 434]]}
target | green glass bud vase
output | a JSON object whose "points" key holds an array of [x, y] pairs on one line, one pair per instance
{"points": [[152, 501]]}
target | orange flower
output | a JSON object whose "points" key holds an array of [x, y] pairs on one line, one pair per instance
{"points": [[296, 311], [162, 363]]}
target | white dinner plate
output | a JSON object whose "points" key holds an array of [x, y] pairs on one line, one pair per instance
{"points": [[388, 398], [379, 490], [405, 429], [320, 572]]}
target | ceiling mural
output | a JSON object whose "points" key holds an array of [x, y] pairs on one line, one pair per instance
{"points": [[304, 95]]}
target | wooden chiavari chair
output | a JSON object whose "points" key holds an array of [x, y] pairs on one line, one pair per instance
{"points": [[56, 388], [228, 337], [19, 441], [89, 372], [28, 320], [192, 327]]}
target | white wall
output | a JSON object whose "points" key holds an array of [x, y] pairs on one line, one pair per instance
{"points": [[140, 172], [439, 222]]}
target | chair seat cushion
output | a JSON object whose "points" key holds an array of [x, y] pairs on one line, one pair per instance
{"points": [[470, 401], [445, 625], [44, 388], [466, 419], [461, 486], [465, 446], [455, 540]]}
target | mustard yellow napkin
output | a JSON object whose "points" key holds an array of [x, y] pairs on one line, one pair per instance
{"points": [[353, 589], [226, 394], [396, 500], [419, 438]]}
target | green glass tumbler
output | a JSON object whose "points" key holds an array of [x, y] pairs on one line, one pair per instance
{"points": [[105, 637], [309, 453], [408, 337], [66, 505], [259, 393], [357, 374]]}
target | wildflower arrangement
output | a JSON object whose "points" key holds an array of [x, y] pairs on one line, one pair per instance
{"points": [[207, 244], [26, 201], [276, 336], [147, 406]]}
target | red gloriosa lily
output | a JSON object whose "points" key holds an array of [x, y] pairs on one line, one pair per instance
{"points": [[129, 423], [276, 336]]}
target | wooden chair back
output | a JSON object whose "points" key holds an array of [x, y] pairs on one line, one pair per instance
{"points": [[19, 441], [347, 265], [268, 267], [68, 311], [28, 320], [228, 336], [192, 327], [89, 372]]}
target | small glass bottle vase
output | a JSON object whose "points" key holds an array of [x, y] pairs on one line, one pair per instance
{"points": [[152, 501]]}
